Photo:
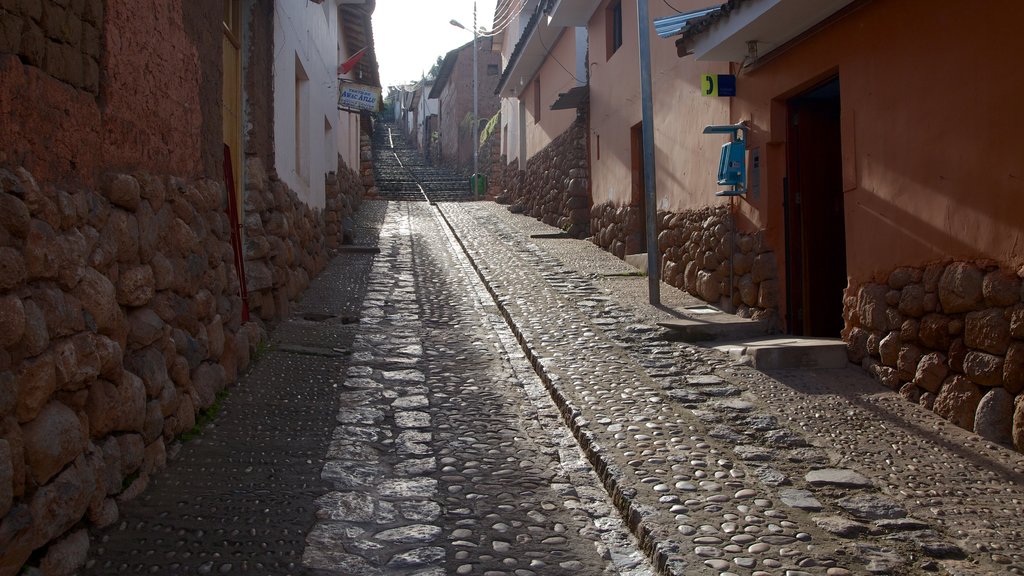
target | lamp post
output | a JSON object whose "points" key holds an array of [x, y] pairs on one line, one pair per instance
{"points": [[476, 98]]}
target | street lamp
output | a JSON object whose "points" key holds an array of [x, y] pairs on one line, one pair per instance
{"points": [[476, 90]]}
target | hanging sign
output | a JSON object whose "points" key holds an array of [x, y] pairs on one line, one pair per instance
{"points": [[359, 97], [718, 85]]}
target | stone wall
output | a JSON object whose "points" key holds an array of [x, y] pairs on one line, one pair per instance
{"points": [[366, 172], [700, 253], [121, 318], [949, 336], [555, 187], [285, 243], [344, 195]]}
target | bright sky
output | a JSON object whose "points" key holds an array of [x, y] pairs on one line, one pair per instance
{"points": [[409, 35]]}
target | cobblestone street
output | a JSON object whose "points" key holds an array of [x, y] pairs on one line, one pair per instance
{"points": [[398, 426]]}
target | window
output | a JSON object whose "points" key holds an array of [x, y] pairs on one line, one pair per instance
{"points": [[492, 69], [301, 120], [536, 100], [614, 25], [330, 158]]}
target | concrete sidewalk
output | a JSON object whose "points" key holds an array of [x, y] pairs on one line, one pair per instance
{"points": [[724, 469]]}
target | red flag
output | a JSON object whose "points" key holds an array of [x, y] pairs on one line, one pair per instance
{"points": [[349, 64]]}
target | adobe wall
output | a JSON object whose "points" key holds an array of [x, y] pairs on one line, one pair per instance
{"points": [[119, 295], [108, 86]]}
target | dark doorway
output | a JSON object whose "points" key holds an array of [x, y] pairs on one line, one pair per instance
{"points": [[636, 239], [815, 217]]}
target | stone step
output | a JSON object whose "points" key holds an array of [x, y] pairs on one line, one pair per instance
{"points": [[705, 322], [789, 352]]}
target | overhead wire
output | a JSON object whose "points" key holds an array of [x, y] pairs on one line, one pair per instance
{"points": [[548, 54], [498, 29]]}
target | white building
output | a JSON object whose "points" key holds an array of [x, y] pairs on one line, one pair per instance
{"points": [[305, 95]]}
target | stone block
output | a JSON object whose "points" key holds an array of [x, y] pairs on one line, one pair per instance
{"points": [[911, 301], [1013, 368], [61, 313], [931, 372], [857, 345], [59, 505], [889, 349], [993, 419], [44, 260], [36, 383], [133, 453], [65, 556], [764, 267], [934, 331], [209, 380], [907, 361], [872, 307], [1016, 316], [958, 401], [150, 365], [144, 328], [13, 320], [103, 513], [14, 216], [1018, 424], [909, 330], [6, 478], [960, 288], [52, 440], [988, 330], [901, 277], [1001, 288], [12, 268], [984, 369], [136, 286], [154, 457], [153, 427], [98, 297], [768, 294], [709, 286]]}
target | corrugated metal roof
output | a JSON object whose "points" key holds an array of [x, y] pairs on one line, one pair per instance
{"points": [[672, 25]]}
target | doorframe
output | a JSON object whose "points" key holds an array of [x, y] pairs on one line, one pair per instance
{"points": [[796, 253]]}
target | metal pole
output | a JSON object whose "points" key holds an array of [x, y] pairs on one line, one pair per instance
{"points": [[476, 90], [650, 191]]}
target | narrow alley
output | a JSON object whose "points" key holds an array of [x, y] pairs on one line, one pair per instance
{"points": [[510, 288], [464, 378]]}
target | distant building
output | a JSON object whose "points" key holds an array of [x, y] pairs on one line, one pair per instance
{"points": [[453, 88]]}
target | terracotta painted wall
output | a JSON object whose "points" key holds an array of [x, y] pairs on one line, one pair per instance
{"points": [[553, 81], [686, 160], [931, 145], [157, 108]]}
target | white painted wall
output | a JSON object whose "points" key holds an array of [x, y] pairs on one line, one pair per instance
{"points": [[510, 107], [306, 39], [427, 107], [348, 138]]}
